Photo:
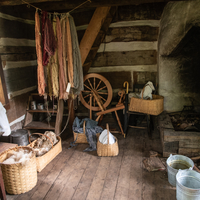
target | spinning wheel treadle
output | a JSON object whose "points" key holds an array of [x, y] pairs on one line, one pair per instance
{"points": [[95, 86]]}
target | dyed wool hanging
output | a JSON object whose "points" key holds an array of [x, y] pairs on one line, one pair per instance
{"points": [[64, 53], [69, 53], [49, 75], [54, 68], [49, 42], [45, 57], [62, 82], [40, 69], [77, 64]]}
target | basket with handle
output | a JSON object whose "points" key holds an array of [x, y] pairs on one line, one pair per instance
{"points": [[107, 149], [80, 137], [18, 177], [43, 160], [151, 107]]}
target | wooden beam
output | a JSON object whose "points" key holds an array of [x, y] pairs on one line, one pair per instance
{"points": [[62, 4], [19, 2], [92, 31]]}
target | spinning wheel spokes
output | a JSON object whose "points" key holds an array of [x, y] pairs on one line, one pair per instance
{"points": [[98, 86]]}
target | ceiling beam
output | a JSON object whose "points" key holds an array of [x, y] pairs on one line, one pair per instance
{"points": [[62, 4], [92, 31], [20, 2]]}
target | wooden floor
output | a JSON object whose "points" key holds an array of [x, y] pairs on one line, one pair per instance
{"points": [[79, 175]]}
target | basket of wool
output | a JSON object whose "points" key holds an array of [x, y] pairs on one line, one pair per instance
{"points": [[19, 169], [47, 147]]}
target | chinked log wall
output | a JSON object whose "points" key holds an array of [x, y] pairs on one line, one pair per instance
{"points": [[129, 50], [17, 49]]}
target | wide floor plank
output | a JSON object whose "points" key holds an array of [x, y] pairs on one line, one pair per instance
{"points": [[78, 175]]}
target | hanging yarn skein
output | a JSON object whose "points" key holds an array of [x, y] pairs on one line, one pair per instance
{"points": [[77, 64], [40, 69]]}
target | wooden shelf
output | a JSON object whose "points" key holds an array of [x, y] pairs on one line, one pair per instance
{"points": [[43, 111], [29, 122], [40, 125]]}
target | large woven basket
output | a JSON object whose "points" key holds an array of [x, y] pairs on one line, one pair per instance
{"points": [[19, 178], [43, 160], [107, 149], [151, 107], [80, 137]]}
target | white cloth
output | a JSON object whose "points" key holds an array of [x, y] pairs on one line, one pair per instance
{"points": [[148, 90], [4, 124], [103, 138]]}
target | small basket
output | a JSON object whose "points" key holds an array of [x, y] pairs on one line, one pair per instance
{"points": [[80, 137], [107, 149], [19, 178], [45, 159], [151, 107]]}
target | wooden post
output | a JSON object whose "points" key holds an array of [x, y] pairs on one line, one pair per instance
{"points": [[59, 116], [72, 113], [92, 31]]}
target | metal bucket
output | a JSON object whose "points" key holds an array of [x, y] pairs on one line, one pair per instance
{"points": [[176, 162], [20, 137], [187, 185]]}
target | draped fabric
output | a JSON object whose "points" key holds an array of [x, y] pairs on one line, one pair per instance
{"points": [[62, 80], [54, 72], [49, 77], [64, 45], [77, 64], [45, 54], [40, 69], [60, 61], [69, 53], [49, 41]]}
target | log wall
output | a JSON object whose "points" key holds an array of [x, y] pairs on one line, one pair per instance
{"points": [[17, 50], [129, 50]]}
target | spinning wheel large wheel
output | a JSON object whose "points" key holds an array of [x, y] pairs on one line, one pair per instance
{"points": [[96, 85]]}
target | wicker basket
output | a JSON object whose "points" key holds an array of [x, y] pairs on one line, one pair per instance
{"points": [[19, 178], [80, 137], [151, 107], [107, 149], [45, 159]]}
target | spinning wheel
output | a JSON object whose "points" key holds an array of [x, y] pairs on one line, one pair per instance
{"points": [[98, 87]]}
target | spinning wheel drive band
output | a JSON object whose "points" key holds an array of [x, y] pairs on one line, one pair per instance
{"points": [[95, 84]]}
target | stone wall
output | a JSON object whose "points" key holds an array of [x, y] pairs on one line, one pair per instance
{"points": [[178, 58]]}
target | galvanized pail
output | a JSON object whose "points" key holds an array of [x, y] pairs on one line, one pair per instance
{"points": [[176, 162], [187, 185], [20, 137]]}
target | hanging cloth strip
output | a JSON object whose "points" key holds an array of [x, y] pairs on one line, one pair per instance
{"points": [[77, 65], [40, 69], [50, 44], [64, 45], [54, 68], [49, 77], [62, 81], [45, 54], [69, 54]]}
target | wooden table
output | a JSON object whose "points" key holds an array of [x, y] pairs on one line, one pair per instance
{"points": [[4, 146]]}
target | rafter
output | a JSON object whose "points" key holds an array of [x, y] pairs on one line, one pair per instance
{"points": [[62, 4], [20, 2], [92, 31]]}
